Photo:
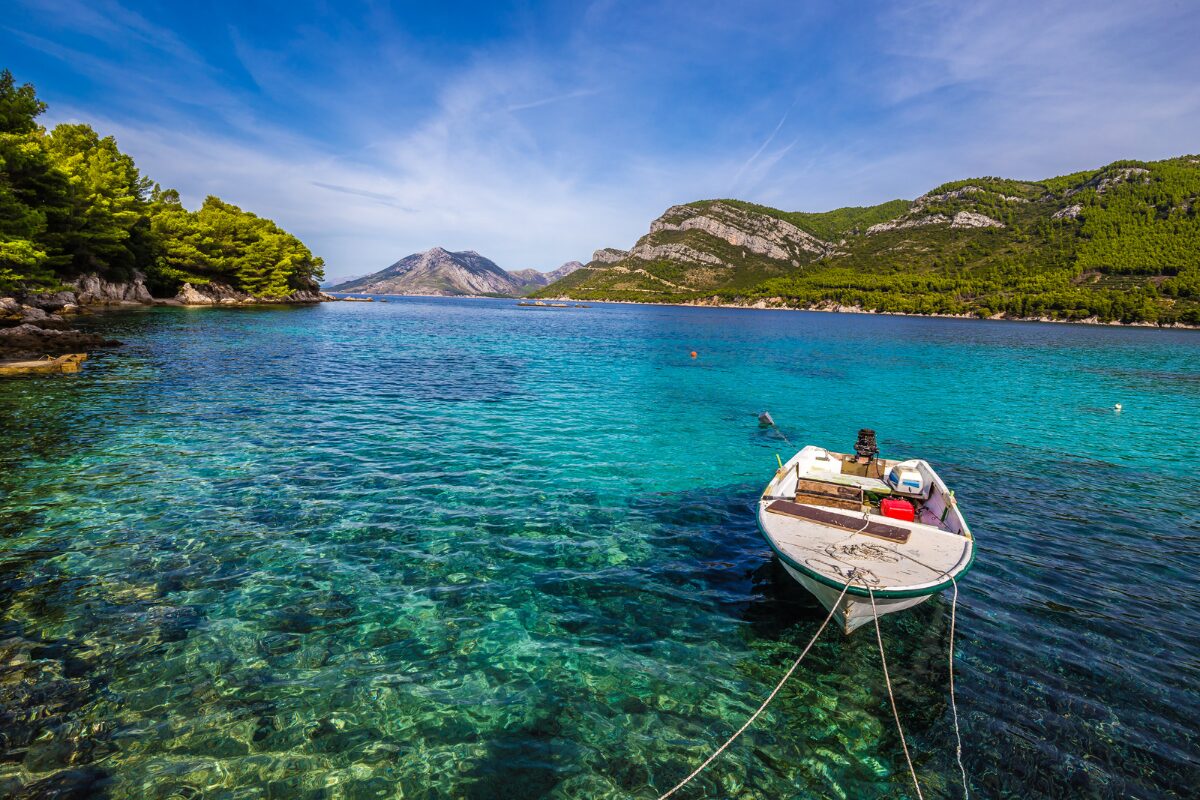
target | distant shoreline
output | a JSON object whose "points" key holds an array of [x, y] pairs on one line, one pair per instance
{"points": [[834, 310], [445, 296], [858, 310]]}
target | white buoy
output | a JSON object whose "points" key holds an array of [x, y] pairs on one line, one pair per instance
{"points": [[1117, 407]]}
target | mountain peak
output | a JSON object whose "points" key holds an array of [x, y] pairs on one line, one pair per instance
{"points": [[531, 279], [438, 272]]}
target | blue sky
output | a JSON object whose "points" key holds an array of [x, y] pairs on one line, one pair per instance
{"points": [[535, 133]]}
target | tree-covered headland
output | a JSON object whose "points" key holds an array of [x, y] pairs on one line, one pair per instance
{"points": [[1118, 243], [72, 203]]}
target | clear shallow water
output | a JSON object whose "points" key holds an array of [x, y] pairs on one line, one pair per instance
{"points": [[457, 548]]}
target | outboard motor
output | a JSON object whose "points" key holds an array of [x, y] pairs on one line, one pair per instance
{"points": [[865, 447]]}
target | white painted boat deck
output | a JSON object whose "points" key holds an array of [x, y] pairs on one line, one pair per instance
{"points": [[925, 559], [824, 557]]}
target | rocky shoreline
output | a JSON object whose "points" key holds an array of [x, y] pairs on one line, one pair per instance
{"points": [[837, 308], [34, 325]]}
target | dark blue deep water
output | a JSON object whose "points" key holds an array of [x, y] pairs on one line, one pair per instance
{"points": [[462, 549]]}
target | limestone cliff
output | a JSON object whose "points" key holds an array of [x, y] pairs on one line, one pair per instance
{"points": [[1119, 242], [757, 233]]}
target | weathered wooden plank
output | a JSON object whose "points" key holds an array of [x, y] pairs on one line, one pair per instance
{"points": [[878, 529], [67, 363]]}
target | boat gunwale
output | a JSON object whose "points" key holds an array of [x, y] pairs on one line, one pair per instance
{"points": [[861, 591], [952, 575]]}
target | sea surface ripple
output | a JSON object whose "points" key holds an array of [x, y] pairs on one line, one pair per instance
{"points": [[438, 548]]}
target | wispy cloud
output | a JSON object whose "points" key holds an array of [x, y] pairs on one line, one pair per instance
{"points": [[766, 143], [117, 26], [545, 101], [576, 127], [385, 199]]}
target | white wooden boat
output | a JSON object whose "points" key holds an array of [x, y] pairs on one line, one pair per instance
{"points": [[832, 519]]}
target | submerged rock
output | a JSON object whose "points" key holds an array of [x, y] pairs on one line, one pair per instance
{"points": [[55, 302], [28, 340], [71, 784], [44, 689], [28, 330], [31, 326]]}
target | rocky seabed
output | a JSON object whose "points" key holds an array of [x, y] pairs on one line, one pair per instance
{"points": [[34, 325]]}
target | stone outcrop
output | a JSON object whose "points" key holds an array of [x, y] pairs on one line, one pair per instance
{"points": [[963, 193], [757, 233], [609, 255], [916, 222], [673, 252], [969, 219], [218, 294], [1103, 182], [956, 194], [33, 325], [92, 290], [28, 340], [963, 219], [30, 331], [919, 214], [1070, 212]]}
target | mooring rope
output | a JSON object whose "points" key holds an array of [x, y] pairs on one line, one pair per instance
{"points": [[953, 703], [891, 696], [770, 697]]}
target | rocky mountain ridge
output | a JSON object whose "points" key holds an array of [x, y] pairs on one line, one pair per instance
{"points": [[436, 272], [532, 279], [440, 272], [1119, 242]]}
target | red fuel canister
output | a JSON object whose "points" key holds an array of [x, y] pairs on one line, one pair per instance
{"points": [[896, 508]]}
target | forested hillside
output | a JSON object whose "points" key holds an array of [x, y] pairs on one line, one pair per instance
{"points": [[72, 203], [1117, 243]]}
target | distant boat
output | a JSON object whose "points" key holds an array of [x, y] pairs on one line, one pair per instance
{"points": [[893, 526]]}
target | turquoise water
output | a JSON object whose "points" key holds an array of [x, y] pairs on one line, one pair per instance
{"points": [[461, 549]]}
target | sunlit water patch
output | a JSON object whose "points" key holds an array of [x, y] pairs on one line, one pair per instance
{"points": [[444, 549]]}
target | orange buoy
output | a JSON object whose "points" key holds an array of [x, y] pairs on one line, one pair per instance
{"points": [[693, 354]]}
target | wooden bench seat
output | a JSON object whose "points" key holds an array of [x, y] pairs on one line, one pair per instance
{"points": [[828, 493], [879, 530]]}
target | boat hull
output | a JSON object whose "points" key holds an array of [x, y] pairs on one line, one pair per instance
{"points": [[852, 612]]}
